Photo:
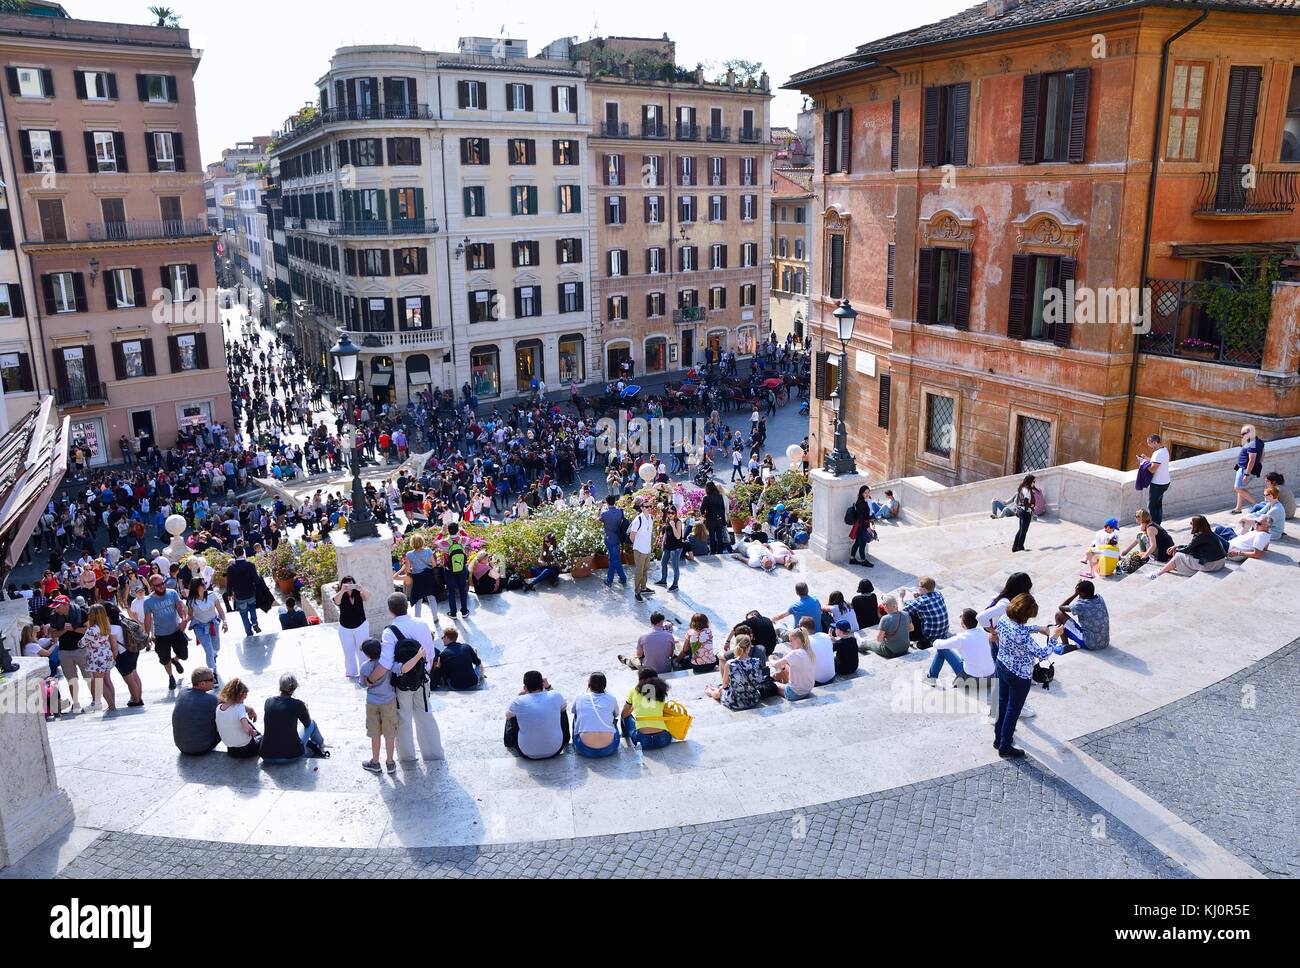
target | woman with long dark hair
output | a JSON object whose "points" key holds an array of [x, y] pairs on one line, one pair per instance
{"points": [[862, 529], [1024, 511], [1018, 653], [714, 509], [1204, 552]]}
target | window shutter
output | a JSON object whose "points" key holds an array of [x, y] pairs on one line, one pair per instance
{"points": [[385, 265], [192, 276], [925, 286], [165, 275], [577, 250], [819, 372], [172, 93], [510, 97], [16, 305], [555, 99], [25, 373], [519, 302], [1079, 115], [401, 314], [119, 150], [1018, 309], [92, 162], [150, 366], [961, 311], [142, 86], [47, 291], [1066, 274], [112, 87], [174, 353], [882, 413], [826, 142], [422, 266], [889, 276], [25, 144], [151, 152], [930, 151], [961, 124], [110, 292], [6, 229], [1030, 120], [462, 94], [56, 140], [482, 95], [137, 283], [12, 74], [528, 97], [491, 252], [845, 157], [47, 83], [60, 369], [119, 362], [836, 280], [573, 97], [92, 366], [79, 290], [79, 82], [894, 132], [344, 153]]}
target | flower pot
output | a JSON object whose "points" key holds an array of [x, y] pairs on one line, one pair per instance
{"points": [[738, 524], [287, 586], [600, 560], [581, 569]]}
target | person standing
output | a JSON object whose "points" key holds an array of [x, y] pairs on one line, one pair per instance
{"points": [[714, 509], [612, 520], [164, 618], [354, 627], [1018, 653], [207, 619], [863, 530], [457, 573], [1158, 467], [1250, 462], [413, 713], [1024, 512], [641, 534], [241, 585], [673, 537]]}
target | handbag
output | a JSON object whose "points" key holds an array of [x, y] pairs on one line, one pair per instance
{"points": [[677, 720]]}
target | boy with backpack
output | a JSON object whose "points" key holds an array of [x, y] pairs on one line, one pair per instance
{"points": [[457, 572]]}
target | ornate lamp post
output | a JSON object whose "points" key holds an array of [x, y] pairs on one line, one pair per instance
{"points": [[361, 523], [839, 462]]}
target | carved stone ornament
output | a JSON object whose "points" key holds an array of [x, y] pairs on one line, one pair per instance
{"points": [[835, 221], [1004, 64], [957, 71], [945, 228], [1059, 56], [1046, 230]]}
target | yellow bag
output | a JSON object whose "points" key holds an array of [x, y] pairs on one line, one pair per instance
{"points": [[677, 720], [1107, 561]]}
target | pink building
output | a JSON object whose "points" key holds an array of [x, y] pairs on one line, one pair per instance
{"points": [[101, 132]]}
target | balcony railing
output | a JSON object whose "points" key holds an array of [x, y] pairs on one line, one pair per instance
{"points": [[652, 129], [613, 129], [81, 395], [717, 134], [1182, 327], [408, 338], [1264, 193], [695, 314], [750, 136], [396, 111], [410, 226], [688, 132], [144, 230]]}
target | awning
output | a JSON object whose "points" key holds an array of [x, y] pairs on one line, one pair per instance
{"points": [[421, 378], [1225, 250], [381, 379]]}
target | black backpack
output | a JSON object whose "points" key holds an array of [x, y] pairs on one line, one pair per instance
{"points": [[625, 531], [851, 515], [403, 652]]}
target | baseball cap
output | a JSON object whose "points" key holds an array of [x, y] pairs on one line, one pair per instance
{"points": [[62, 600], [1112, 523], [843, 626]]}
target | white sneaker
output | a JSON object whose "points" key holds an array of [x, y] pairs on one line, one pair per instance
{"points": [[991, 719], [76, 708], [96, 705], [931, 681], [1027, 712]]}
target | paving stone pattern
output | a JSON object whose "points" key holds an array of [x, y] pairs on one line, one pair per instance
{"points": [[1005, 820], [1224, 760]]}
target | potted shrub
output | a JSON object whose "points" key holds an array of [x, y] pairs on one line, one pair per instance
{"points": [[283, 566]]}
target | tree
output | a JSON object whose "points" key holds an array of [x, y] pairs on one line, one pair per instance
{"points": [[167, 17], [746, 70]]}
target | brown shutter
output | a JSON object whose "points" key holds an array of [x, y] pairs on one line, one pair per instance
{"points": [[174, 353], [119, 362], [882, 413], [555, 99], [646, 202], [110, 292], [92, 162], [961, 124], [137, 283], [201, 350], [925, 285], [1062, 332], [895, 126], [961, 311], [1079, 115], [79, 289], [92, 367], [150, 366], [845, 158], [60, 369], [819, 372], [510, 97], [1019, 307], [1030, 120], [930, 152], [889, 276], [826, 142]]}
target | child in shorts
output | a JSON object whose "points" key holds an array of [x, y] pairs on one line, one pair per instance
{"points": [[381, 707]]}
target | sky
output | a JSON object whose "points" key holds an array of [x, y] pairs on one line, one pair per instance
{"points": [[261, 58]]}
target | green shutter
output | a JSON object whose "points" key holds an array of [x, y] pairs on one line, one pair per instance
{"points": [[514, 200], [465, 195], [383, 206]]}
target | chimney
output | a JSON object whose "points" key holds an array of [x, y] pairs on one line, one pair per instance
{"points": [[762, 81], [731, 77], [996, 8]]}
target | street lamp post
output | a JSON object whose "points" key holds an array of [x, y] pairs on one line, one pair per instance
{"points": [[361, 523], [839, 462]]}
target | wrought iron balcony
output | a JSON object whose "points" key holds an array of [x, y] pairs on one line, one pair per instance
{"points": [[613, 129], [688, 132], [655, 130], [1182, 327], [750, 136], [145, 230], [1229, 193], [397, 111], [81, 395], [694, 314], [373, 227], [719, 134]]}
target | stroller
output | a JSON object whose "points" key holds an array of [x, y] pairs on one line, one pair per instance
{"points": [[704, 473]]}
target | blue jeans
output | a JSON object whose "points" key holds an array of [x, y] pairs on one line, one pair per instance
{"points": [[308, 734], [671, 559], [793, 696], [1012, 693], [951, 658], [458, 588], [540, 574], [209, 641], [583, 750], [647, 741], [1156, 502], [615, 563], [247, 608]]}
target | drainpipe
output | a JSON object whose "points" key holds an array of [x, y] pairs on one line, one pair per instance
{"points": [[1150, 218], [446, 210], [32, 304]]}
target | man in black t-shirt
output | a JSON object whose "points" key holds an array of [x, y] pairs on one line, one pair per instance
{"points": [[68, 623], [458, 664], [762, 630], [281, 740]]}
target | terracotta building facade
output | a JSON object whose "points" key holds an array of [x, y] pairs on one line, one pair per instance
{"points": [[1047, 214], [108, 200]]}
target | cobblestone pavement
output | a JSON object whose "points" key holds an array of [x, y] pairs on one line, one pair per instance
{"points": [[1224, 760], [1005, 820]]}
